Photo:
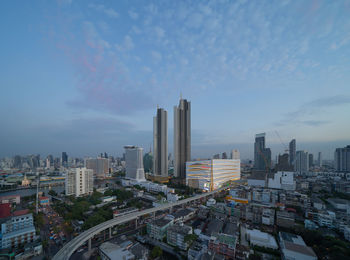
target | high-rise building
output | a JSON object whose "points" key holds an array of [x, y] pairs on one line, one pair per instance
{"points": [[311, 160], [182, 137], [160, 143], [134, 163], [235, 154], [224, 155], [302, 161], [79, 182], [64, 159], [212, 174], [319, 159], [283, 163], [100, 166], [342, 159], [148, 162], [216, 156], [262, 155], [292, 153]]}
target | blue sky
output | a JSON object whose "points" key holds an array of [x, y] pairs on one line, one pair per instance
{"points": [[86, 76]]}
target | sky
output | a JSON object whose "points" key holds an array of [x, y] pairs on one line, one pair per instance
{"points": [[86, 76]]}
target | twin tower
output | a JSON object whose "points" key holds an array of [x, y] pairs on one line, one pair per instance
{"points": [[182, 140]]}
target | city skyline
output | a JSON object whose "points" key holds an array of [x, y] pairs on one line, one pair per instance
{"points": [[86, 77]]}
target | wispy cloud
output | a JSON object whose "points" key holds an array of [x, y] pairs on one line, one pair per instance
{"points": [[101, 8]]}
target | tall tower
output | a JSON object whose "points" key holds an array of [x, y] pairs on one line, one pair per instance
{"points": [[134, 163], [262, 155], [182, 137], [292, 153], [160, 143], [302, 161]]}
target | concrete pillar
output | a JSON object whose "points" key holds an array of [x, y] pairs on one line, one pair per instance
{"points": [[89, 244], [136, 223], [110, 233]]}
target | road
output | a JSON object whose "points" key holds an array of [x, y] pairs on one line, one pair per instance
{"points": [[67, 250]]}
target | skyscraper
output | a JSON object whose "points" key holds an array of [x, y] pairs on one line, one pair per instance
{"points": [[235, 154], [262, 155], [342, 159], [182, 138], [319, 160], [311, 160], [160, 143], [292, 153], [302, 161], [134, 163], [64, 159]]}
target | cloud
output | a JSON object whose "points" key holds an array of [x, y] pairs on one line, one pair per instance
{"points": [[133, 15], [314, 122], [101, 8], [156, 56]]}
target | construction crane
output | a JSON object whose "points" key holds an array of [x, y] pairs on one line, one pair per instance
{"points": [[285, 146]]}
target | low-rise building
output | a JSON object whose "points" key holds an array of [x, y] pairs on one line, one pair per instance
{"points": [[268, 216], [223, 244], [176, 235], [111, 251], [10, 199], [285, 219], [294, 247], [325, 219], [258, 238], [347, 233], [183, 215], [339, 204], [157, 229], [44, 201]]}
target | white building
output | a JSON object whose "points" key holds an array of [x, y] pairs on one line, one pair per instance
{"points": [[293, 247], [235, 154], [134, 163], [17, 229], [282, 181], [258, 238], [79, 182], [212, 174]]}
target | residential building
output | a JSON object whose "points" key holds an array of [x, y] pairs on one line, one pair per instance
{"points": [[342, 159], [235, 154], [326, 219], [302, 162], [262, 155], [79, 182], [223, 244], [292, 153], [182, 138], [282, 181], [160, 143], [17, 230], [100, 166], [293, 247], [176, 235], [157, 229], [258, 238], [212, 174], [134, 163]]}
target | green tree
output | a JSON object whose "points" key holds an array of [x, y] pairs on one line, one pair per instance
{"points": [[156, 252]]}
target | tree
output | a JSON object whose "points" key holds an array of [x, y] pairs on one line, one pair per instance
{"points": [[52, 193], [156, 252]]}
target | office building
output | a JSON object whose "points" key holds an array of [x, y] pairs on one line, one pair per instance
{"points": [[148, 162], [235, 154], [100, 166], [311, 160], [64, 159], [134, 163], [292, 153], [18, 229], [302, 162], [319, 160], [342, 159], [212, 174], [262, 155], [79, 182], [160, 143], [182, 138]]}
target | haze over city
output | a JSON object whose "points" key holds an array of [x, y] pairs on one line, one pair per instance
{"points": [[86, 77]]}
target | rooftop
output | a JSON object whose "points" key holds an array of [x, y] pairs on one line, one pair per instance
{"points": [[161, 222], [214, 226], [181, 229], [20, 212]]}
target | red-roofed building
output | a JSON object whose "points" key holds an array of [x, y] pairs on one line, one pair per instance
{"points": [[5, 210], [20, 212]]}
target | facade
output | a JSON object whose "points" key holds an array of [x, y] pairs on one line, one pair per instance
{"points": [[79, 182], [282, 181], [235, 154], [342, 159], [17, 230], [100, 166], [319, 160], [176, 235], [292, 153], [212, 174], [182, 137], [160, 143], [134, 163], [157, 229], [294, 247], [262, 155], [223, 244], [302, 162]]}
